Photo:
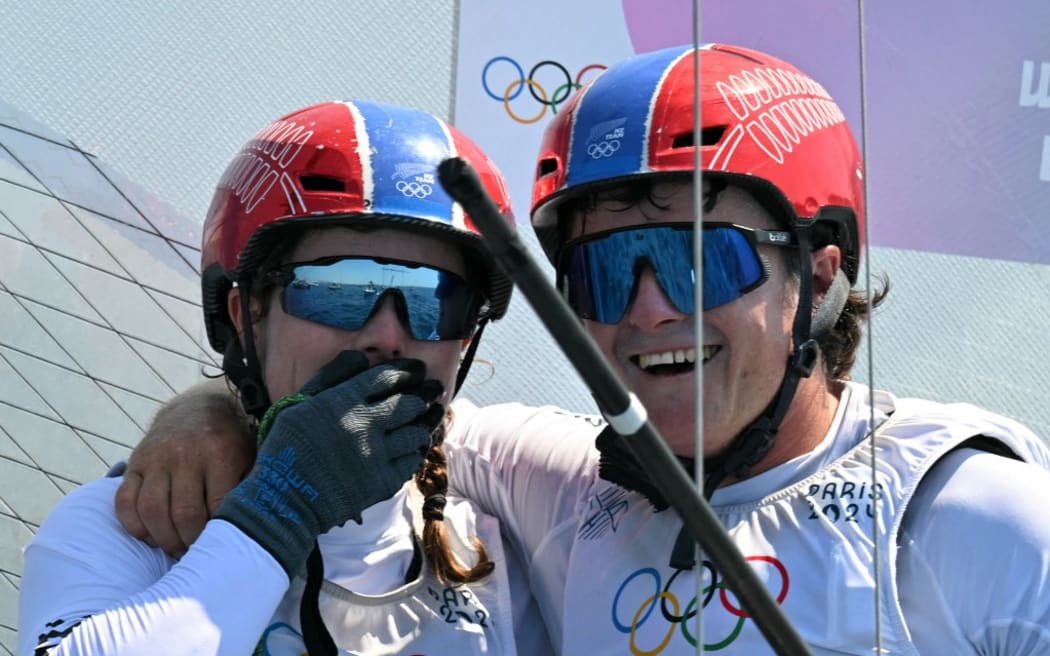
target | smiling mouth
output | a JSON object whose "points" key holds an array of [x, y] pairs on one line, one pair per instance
{"points": [[670, 363]]}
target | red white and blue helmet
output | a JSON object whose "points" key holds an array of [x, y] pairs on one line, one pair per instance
{"points": [[351, 162], [766, 126]]}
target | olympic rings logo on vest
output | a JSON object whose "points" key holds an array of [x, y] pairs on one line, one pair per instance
{"points": [[504, 79], [630, 616]]}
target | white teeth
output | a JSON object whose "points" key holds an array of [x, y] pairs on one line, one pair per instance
{"points": [[709, 352], [679, 356]]}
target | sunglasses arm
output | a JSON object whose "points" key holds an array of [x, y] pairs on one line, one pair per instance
{"points": [[622, 409]]}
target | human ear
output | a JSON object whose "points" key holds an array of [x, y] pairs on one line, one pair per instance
{"points": [[235, 308], [824, 263]]}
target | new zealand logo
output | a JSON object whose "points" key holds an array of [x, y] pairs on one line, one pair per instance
{"points": [[606, 510]]}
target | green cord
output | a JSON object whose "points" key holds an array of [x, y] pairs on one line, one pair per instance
{"points": [[267, 420]]}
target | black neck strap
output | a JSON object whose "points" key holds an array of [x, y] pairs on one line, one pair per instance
{"points": [[754, 442], [468, 357], [316, 638], [241, 363]]}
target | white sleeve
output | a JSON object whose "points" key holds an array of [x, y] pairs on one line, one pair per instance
{"points": [[90, 588], [527, 466], [974, 564]]}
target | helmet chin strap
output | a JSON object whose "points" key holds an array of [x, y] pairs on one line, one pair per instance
{"points": [[241, 364], [468, 357], [755, 441]]}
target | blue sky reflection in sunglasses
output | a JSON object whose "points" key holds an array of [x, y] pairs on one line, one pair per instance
{"points": [[599, 274], [345, 292]]}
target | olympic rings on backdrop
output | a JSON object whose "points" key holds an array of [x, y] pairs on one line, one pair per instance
{"points": [[560, 94], [661, 596]]}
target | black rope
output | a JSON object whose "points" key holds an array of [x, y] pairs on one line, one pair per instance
{"points": [[316, 638]]}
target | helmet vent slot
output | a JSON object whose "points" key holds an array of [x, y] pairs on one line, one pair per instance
{"points": [[321, 183], [546, 167], [708, 137]]}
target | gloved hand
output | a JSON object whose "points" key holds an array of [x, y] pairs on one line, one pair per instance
{"points": [[350, 438]]}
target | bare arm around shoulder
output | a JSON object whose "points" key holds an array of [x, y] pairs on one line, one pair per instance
{"points": [[197, 449]]}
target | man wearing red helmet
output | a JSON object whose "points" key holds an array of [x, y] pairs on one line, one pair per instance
{"points": [[861, 549], [313, 210]]}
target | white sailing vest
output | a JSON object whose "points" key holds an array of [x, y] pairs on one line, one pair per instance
{"points": [[811, 543], [424, 617]]}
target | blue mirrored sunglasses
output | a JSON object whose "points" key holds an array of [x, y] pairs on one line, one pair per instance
{"points": [[345, 292], [598, 274]]}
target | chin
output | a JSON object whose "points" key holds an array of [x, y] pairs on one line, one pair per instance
{"points": [[681, 440]]}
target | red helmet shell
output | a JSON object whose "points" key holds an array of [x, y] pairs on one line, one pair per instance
{"points": [[765, 125], [348, 162]]}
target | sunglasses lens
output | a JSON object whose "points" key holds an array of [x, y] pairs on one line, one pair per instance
{"points": [[598, 277], [731, 266], [593, 285], [432, 304]]}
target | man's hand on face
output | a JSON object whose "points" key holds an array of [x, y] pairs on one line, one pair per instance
{"points": [[197, 449]]}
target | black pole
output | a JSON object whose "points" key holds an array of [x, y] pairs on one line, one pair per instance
{"points": [[462, 184]]}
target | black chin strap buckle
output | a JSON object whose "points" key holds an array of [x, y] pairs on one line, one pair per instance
{"points": [[253, 397], [683, 555], [752, 445], [804, 359], [744, 453]]}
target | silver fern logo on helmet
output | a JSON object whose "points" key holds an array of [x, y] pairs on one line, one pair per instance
{"points": [[414, 180], [604, 138]]}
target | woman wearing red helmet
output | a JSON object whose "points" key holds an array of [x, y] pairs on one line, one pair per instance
{"points": [[342, 285]]}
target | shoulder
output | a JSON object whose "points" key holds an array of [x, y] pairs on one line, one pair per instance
{"points": [[976, 539], [914, 416], [90, 506], [925, 430], [84, 525], [984, 487]]}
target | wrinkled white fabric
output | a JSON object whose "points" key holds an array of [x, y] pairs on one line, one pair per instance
{"points": [[597, 556]]}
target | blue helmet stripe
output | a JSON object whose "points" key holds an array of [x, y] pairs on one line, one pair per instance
{"points": [[404, 171], [610, 134]]}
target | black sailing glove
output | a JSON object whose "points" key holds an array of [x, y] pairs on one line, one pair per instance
{"points": [[348, 440]]}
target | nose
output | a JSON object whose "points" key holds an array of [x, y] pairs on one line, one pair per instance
{"points": [[383, 337], [651, 308]]}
